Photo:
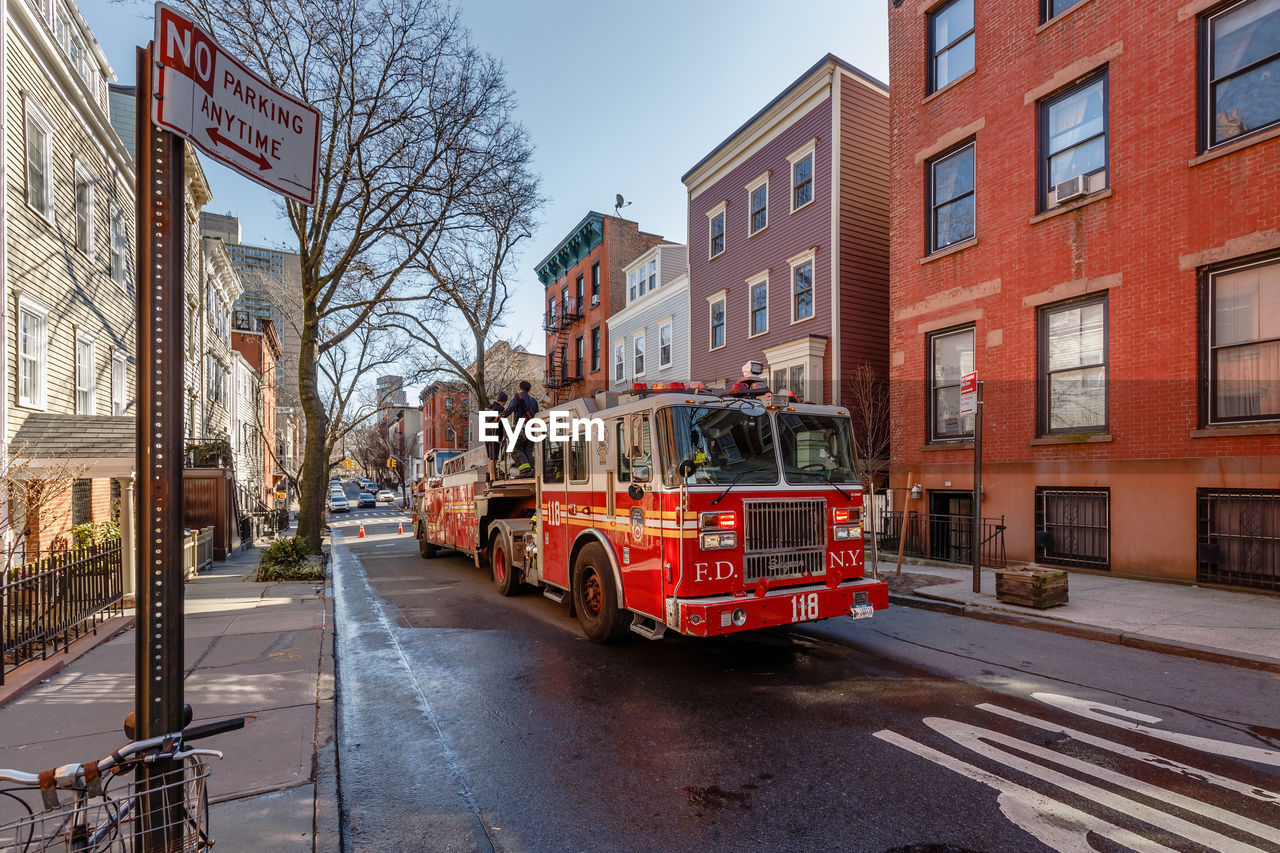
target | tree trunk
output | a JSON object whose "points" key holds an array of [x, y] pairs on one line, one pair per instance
{"points": [[312, 470]]}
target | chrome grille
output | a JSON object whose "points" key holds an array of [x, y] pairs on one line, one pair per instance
{"points": [[784, 539]]}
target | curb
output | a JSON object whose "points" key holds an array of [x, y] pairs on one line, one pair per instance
{"points": [[30, 674], [327, 828], [1086, 632]]}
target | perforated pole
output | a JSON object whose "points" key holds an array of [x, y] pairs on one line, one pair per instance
{"points": [[158, 661]]}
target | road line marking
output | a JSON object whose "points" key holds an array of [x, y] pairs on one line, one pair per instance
{"points": [[1250, 791], [1226, 749], [1053, 823], [975, 737]]}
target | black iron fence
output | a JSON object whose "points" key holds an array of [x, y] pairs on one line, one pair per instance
{"points": [[937, 536], [46, 605]]}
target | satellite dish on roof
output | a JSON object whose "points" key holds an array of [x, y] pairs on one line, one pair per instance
{"points": [[619, 203]]}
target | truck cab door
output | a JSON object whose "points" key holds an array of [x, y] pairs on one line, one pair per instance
{"points": [[552, 521], [639, 522]]}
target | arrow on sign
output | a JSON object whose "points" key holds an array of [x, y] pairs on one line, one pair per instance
{"points": [[255, 156]]}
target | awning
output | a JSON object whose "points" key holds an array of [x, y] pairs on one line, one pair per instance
{"points": [[103, 445]]}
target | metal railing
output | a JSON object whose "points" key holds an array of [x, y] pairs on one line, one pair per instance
{"points": [[937, 536], [48, 604], [197, 551]]}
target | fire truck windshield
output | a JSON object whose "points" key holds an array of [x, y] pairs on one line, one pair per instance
{"points": [[815, 448], [728, 445]]}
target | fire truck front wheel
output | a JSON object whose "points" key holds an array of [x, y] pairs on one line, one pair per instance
{"points": [[595, 598], [505, 576]]}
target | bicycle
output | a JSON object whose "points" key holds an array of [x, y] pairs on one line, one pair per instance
{"points": [[98, 817]]}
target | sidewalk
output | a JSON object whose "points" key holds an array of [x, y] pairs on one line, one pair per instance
{"points": [[264, 651], [1238, 628]]}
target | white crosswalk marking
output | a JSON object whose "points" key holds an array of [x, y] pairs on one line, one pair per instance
{"points": [[980, 741], [1138, 755], [1056, 825], [1133, 722]]}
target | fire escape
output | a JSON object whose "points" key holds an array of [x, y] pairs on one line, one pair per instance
{"points": [[560, 375]]}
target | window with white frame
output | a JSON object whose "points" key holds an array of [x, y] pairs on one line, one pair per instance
{"points": [[802, 176], [84, 374], [802, 290], [758, 195], [39, 160], [653, 274], [717, 323], [119, 249], [619, 363], [118, 401], [759, 289], [950, 357], [33, 353], [715, 229], [664, 344], [632, 279], [84, 211], [637, 348]]}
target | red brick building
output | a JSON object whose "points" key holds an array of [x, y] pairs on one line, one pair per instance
{"points": [[262, 349], [444, 416], [585, 283], [1085, 211], [788, 238]]}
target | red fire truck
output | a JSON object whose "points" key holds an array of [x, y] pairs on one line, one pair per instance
{"points": [[696, 513]]}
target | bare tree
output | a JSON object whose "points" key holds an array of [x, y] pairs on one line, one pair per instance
{"points": [[417, 141], [35, 501], [866, 393]]}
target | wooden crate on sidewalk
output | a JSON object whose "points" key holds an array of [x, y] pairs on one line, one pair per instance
{"points": [[1032, 587]]}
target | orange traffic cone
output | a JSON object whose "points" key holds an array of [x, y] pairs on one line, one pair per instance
{"points": [[400, 529], [361, 536]]}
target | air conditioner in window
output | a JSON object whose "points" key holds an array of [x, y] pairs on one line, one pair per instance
{"points": [[1072, 188]]}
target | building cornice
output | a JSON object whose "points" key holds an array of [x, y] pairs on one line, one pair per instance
{"points": [[581, 241]]}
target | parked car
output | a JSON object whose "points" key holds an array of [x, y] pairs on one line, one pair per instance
{"points": [[372, 488], [385, 496], [367, 500], [339, 504]]}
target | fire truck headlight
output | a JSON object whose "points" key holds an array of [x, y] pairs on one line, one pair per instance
{"points": [[739, 617], [718, 541], [847, 531]]}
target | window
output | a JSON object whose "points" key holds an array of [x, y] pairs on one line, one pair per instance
{"points": [[552, 463], [1238, 539], [1243, 319], [84, 375], [802, 290], [760, 306], [577, 459], [758, 193], [217, 381], [553, 319], [950, 357], [39, 161], [1054, 8], [950, 43], [33, 353], [653, 274], [664, 344], [119, 249], [578, 295], [118, 401], [448, 404], [84, 211], [1073, 367], [623, 463], [595, 349], [795, 383], [802, 177], [632, 279], [1073, 527], [1242, 50], [577, 358], [450, 436], [564, 305], [1073, 140], [717, 323], [637, 348], [716, 225], [595, 284], [619, 363], [951, 200]]}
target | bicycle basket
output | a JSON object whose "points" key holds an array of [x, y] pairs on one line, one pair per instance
{"points": [[113, 822]]}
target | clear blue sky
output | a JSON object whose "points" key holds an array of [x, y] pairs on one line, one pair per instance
{"points": [[619, 97]]}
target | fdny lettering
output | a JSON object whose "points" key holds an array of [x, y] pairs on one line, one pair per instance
{"points": [[723, 571]]}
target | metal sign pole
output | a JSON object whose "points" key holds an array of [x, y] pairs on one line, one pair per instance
{"points": [[159, 653], [976, 541]]}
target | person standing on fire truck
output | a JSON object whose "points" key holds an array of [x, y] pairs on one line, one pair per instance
{"points": [[495, 447], [523, 407]]}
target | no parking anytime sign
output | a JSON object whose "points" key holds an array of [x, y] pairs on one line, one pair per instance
{"points": [[206, 95]]}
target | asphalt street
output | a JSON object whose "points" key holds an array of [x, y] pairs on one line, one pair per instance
{"points": [[468, 721]]}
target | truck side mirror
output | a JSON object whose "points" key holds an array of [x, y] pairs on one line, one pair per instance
{"points": [[687, 468], [635, 492], [640, 473]]}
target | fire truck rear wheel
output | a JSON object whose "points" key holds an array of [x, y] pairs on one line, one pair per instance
{"points": [[595, 598], [425, 548], [505, 577]]}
